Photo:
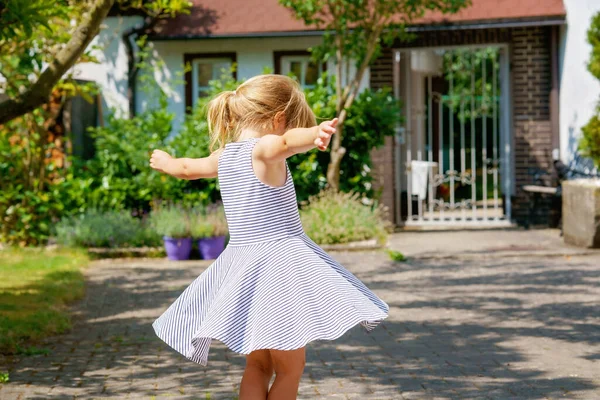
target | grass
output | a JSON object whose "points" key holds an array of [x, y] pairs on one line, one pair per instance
{"points": [[396, 256], [35, 287]]}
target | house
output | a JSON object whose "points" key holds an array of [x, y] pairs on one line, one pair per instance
{"points": [[517, 98]]}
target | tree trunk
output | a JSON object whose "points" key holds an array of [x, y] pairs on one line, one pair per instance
{"points": [[40, 91], [337, 151], [345, 98]]}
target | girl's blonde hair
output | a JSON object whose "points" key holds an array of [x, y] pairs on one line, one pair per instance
{"points": [[254, 104]]}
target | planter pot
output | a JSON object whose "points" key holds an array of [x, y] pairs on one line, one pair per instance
{"points": [[581, 212], [178, 248], [211, 248]]}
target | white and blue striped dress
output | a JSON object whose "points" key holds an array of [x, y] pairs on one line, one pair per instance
{"points": [[272, 287]]}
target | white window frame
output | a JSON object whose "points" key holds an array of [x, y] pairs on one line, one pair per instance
{"points": [[286, 62], [195, 86]]}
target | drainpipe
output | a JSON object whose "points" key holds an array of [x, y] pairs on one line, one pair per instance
{"points": [[129, 37], [398, 141], [554, 94]]}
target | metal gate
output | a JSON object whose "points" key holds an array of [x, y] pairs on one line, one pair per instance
{"points": [[453, 147]]}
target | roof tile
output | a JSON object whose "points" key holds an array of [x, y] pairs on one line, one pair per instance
{"points": [[255, 17]]}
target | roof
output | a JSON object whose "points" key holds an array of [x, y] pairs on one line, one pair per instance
{"points": [[235, 18]]}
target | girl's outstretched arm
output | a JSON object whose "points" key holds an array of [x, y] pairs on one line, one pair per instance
{"points": [[276, 148], [186, 168]]}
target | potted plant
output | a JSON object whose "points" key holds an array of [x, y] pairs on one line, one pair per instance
{"points": [[172, 223], [211, 230]]}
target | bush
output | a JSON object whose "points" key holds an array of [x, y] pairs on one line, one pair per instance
{"points": [[171, 221], [30, 179], [98, 228], [336, 217], [210, 222], [589, 145]]}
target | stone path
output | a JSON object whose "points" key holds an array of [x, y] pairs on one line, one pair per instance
{"points": [[512, 328]]}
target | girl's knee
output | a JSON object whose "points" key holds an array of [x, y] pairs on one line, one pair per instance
{"points": [[260, 361], [290, 363]]}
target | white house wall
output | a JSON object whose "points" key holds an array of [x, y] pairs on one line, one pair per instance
{"points": [[253, 55], [579, 90], [111, 71]]}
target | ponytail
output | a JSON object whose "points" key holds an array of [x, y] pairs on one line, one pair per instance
{"points": [[254, 105], [221, 121]]}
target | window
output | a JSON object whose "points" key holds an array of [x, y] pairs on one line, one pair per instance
{"points": [[300, 65], [204, 68]]}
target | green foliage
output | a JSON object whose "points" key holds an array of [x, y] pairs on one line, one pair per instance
{"points": [[209, 222], [396, 256], [171, 221], [350, 23], [593, 36], [30, 195], [32, 350], [335, 217], [118, 177], [4, 377], [35, 288], [372, 117], [460, 66], [105, 229], [589, 145], [20, 18], [35, 190]]}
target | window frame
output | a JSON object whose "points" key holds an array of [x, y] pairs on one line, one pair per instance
{"points": [[192, 59], [279, 57]]}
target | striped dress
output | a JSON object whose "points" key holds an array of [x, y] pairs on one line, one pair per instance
{"points": [[272, 287]]}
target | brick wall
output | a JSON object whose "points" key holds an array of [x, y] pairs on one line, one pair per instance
{"points": [[531, 83]]}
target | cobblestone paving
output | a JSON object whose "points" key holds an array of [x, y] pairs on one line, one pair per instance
{"points": [[512, 328]]}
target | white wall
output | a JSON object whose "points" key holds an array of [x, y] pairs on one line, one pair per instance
{"points": [[579, 90], [253, 55], [111, 71]]}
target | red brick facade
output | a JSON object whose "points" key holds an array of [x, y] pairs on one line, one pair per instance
{"points": [[530, 98]]}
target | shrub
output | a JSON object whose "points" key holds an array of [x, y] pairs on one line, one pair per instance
{"points": [[30, 178], [336, 217], [209, 222], [98, 228], [589, 144], [171, 221]]}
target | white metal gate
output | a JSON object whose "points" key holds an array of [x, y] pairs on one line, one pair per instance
{"points": [[453, 147]]}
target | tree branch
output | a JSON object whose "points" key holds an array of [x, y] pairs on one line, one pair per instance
{"points": [[40, 91]]}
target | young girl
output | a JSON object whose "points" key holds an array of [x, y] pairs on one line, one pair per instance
{"points": [[273, 289]]}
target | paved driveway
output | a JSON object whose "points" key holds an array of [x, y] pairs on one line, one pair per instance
{"points": [[507, 328]]}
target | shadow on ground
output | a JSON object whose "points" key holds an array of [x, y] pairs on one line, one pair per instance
{"points": [[526, 329]]}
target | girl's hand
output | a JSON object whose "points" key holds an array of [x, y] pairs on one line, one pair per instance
{"points": [[159, 160], [326, 129]]}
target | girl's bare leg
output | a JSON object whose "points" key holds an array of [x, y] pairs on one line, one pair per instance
{"points": [[289, 367], [258, 373]]}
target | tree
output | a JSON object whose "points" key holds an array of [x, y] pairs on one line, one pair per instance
{"points": [[39, 92], [589, 145], [45, 38], [354, 32]]}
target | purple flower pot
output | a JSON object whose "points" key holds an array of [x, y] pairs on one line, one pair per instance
{"points": [[211, 248], [178, 248]]}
